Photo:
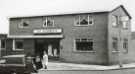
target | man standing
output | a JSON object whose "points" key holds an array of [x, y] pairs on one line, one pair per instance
{"points": [[45, 60]]}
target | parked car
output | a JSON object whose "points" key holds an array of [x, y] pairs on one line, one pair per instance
{"points": [[16, 64]]}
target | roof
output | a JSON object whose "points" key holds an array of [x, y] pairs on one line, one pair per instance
{"points": [[60, 14], [75, 12], [124, 10]]}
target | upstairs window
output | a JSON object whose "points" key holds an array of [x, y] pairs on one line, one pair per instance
{"points": [[48, 22], [83, 20], [115, 43], [125, 20], [84, 44], [125, 24], [3, 43], [24, 24], [115, 21]]}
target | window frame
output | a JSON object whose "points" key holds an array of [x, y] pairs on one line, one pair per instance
{"points": [[115, 40], [88, 40], [125, 44], [116, 18], [14, 45], [126, 24], [125, 20], [46, 20], [20, 25], [79, 20]]}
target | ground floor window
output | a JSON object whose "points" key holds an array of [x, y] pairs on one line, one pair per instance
{"points": [[84, 44], [115, 43], [125, 44], [17, 44], [3, 43]]}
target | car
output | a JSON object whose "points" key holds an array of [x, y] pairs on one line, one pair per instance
{"points": [[16, 64]]}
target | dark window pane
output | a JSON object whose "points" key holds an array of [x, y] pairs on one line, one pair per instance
{"points": [[115, 44], [3, 43], [91, 22], [84, 22], [125, 44], [83, 45], [49, 23], [19, 45], [25, 24]]}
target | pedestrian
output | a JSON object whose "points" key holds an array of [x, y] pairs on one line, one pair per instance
{"points": [[45, 60]]}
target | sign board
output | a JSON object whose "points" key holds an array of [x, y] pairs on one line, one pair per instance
{"points": [[45, 31]]}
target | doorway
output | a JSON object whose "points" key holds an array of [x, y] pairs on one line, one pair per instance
{"points": [[51, 46]]}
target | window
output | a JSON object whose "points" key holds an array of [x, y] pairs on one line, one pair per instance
{"points": [[125, 44], [48, 22], [84, 44], [24, 24], [125, 24], [3, 44], [17, 44], [125, 20], [83, 20], [115, 43], [115, 21]]}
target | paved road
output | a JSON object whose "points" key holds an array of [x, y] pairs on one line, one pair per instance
{"points": [[121, 71]]}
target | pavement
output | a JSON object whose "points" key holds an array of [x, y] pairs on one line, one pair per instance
{"points": [[72, 66]]}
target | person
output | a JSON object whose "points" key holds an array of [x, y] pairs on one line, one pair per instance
{"points": [[45, 60], [37, 62]]}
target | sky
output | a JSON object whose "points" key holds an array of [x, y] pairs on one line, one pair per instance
{"points": [[9, 8]]}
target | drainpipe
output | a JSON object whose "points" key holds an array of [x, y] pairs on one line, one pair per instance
{"points": [[120, 45]]}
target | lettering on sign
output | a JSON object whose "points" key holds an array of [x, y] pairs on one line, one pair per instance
{"points": [[47, 31]]}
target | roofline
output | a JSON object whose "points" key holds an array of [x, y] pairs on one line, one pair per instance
{"points": [[60, 14], [123, 9]]}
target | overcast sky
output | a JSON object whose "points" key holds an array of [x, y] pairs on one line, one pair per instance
{"points": [[10, 8]]}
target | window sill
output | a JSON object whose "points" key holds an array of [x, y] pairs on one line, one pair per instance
{"points": [[2, 48], [83, 25], [85, 51], [115, 26], [125, 28], [23, 27], [18, 49], [115, 51], [119, 51]]}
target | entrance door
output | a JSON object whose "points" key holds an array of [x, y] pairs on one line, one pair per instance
{"points": [[53, 49], [39, 47], [51, 46]]}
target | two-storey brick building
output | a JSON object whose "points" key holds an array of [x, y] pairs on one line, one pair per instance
{"points": [[99, 37]]}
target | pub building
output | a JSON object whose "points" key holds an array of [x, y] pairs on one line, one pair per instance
{"points": [[94, 37]]}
